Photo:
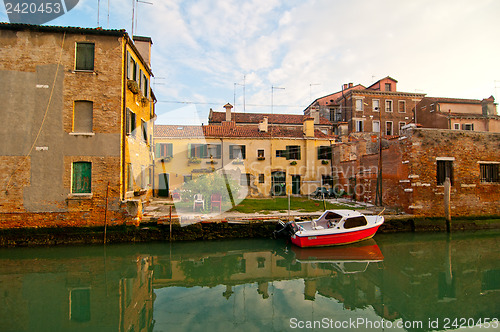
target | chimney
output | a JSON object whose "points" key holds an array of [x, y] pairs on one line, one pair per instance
{"points": [[350, 85], [263, 125], [488, 106], [315, 115], [308, 127], [143, 45], [345, 87], [228, 107]]}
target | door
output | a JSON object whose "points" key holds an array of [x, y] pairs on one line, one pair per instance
{"points": [[278, 183], [163, 185], [295, 184]]}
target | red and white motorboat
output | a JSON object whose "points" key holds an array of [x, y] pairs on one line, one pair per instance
{"points": [[334, 227]]}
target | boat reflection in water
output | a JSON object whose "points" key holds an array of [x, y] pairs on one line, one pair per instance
{"points": [[250, 284], [352, 258]]}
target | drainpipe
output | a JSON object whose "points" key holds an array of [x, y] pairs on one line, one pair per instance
{"points": [[124, 116]]}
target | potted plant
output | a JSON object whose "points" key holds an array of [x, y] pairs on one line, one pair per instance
{"points": [[133, 86], [194, 160], [324, 162], [293, 163]]}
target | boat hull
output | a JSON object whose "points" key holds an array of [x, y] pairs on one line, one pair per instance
{"points": [[334, 239]]}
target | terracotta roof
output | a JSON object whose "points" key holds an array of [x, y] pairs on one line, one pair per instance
{"points": [[227, 131], [177, 131], [54, 28], [453, 100], [249, 118]]}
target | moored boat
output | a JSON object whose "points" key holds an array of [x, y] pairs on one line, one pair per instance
{"points": [[333, 227]]}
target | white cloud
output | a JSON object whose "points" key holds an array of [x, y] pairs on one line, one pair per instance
{"points": [[201, 48]]}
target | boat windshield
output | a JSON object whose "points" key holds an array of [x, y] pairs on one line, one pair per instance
{"points": [[332, 216]]}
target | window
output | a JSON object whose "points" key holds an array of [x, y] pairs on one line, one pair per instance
{"points": [[324, 152], [388, 87], [281, 153], [402, 106], [144, 131], [245, 179], [130, 67], [359, 126], [388, 128], [401, 125], [131, 122], [355, 222], [237, 152], [456, 126], [79, 305], [130, 177], [260, 154], [261, 178], [468, 126], [359, 104], [444, 170], [326, 180], [214, 151], [82, 176], [204, 151], [84, 56], [388, 105], [489, 172], [82, 116], [164, 150], [293, 152], [376, 126], [145, 86], [376, 105]]}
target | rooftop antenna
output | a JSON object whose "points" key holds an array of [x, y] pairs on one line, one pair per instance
{"points": [[134, 15], [310, 85], [235, 84], [98, 6], [108, 15]]}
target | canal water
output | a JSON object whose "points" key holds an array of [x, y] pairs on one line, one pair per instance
{"points": [[396, 282]]}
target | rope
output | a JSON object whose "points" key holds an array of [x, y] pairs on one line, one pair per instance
{"points": [[44, 116]]}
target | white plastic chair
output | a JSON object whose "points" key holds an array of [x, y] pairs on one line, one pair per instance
{"points": [[198, 201]]}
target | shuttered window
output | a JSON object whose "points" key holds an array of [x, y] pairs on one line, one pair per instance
{"points": [[84, 56], [164, 150], [293, 152], [324, 152], [82, 177]]}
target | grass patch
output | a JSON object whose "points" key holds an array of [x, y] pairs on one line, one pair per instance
{"points": [[303, 204]]}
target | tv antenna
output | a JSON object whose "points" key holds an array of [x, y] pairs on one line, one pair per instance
{"points": [[135, 4]]}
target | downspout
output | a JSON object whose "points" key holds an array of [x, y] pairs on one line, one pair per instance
{"points": [[124, 115]]}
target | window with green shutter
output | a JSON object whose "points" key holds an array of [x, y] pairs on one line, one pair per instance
{"points": [[84, 56], [82, 178], [164, 150]]}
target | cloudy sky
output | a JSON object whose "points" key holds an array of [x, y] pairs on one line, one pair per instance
{"points": [[210, 52]]}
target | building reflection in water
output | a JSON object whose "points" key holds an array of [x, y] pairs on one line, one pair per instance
{"points": [[145, 287]]}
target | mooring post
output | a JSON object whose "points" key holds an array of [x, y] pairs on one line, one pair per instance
{"points": [[170, 222], [447, 207]]}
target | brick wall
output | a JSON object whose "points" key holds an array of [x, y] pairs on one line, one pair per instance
{"points": [[40, 146], [409, 169], [469, 196]]}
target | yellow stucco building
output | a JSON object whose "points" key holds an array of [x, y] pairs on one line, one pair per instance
{"points": [[265, 159]]}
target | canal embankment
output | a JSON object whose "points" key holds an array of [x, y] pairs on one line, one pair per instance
{"points": [[243, 226]]}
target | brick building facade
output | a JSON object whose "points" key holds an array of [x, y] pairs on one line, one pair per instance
{"points": [[459, 114], [75, 125], [415, 165], [379, 107]]}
